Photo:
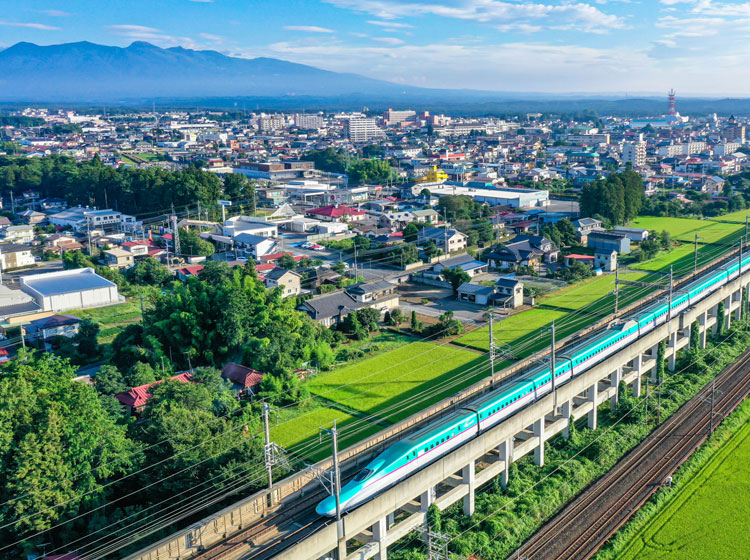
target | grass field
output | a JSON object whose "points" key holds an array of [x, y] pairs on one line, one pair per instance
{"points": [[675, 226], [665, 258], [523, 329], [707, 519], [711, 232], [392, 385], [113, 318], [738, 216]]}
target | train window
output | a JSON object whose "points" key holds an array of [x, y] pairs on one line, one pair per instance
{"points": [[363, 474]]}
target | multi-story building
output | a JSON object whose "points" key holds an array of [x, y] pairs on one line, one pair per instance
{"points": [[15, 256], [687, 149], [309, 122], [271, 123], [361, 129], [393, 118], [80, 218], [726, 148], [734, 131], [634, 153]]}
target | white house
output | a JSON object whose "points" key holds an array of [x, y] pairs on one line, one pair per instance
{"points": [[80, 218], [18, 234], [254, 246]]}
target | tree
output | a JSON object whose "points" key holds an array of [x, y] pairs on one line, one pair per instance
{"points": [[339, 267], [397, 317], [416, 326], [660, 362], [140, 374], [455, 276], [431, 250], [148, 272], [76, 259], [368, 318], [665, 240], [58, 444], [287, 261], [434, 518], [720, 318], [109, 380], [649, 248], [351, 326], [410, 232], [87, 339], [192, 245]]}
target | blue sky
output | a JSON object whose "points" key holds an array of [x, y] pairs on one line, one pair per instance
{"points": [[695, 46]]}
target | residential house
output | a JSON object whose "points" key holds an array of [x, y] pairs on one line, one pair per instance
{"points": [[13, 255], [80, 218], [118, 258], [448, 240], [246, 224], [287, 280], [138, 248], [509, 292], [32, 217], [584, 226], [331, 309], [606, 241], [467, 263], [475, 293], [50, 327], [524, 250], [639, 235], [18, 234], [605, 260], [426, 216], [254, 246], [337, 213], [135, 399], [188, 272], [245, 380]]}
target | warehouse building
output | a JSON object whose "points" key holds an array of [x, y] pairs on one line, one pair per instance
{"points": [[70, 289]]}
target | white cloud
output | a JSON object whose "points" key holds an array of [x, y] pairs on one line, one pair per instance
{"points": [[153, 35], [308, 28], [54, 13], [210, 37], [29, 25], [390, 24], [388, 40], [573, 15]]}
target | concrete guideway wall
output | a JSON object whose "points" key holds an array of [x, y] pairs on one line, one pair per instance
{"points": [[253, 509], [371, 524]]}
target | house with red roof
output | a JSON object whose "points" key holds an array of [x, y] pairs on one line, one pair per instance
{"points": [[337, 213], [188, 272], [135, 399], [245, 380]]}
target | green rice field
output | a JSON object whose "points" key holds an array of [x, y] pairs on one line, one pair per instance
{"points": [[708, 517], [398, 383], [675, 226], [711, 233]]}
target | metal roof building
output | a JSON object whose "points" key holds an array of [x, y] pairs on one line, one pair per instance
{"points": [[70, 289]]}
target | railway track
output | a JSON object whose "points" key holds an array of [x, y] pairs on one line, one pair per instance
{"points": [[580, 529], [270, 532]]}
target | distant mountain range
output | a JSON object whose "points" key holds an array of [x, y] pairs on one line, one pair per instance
{"points": [[85, 73], [89, 72]]}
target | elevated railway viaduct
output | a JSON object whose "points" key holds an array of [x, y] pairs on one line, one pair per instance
{"points": [[371, 528]]}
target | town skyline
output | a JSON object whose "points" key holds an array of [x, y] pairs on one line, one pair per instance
{"points": [[551, 47]]}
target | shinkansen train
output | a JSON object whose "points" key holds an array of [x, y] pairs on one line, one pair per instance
{"points": [[439, 437]]}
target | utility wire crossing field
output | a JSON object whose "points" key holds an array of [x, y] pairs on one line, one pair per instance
{"points": [[708, 518], [398, 383]]}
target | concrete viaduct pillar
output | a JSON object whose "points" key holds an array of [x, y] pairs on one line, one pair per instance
{"points": [[593, 393], [672, 351], [727, 312], [506, 449], [714, 313], [425, 501], [566, 408], [379, 536], [637, 366], [468, 474], [655, 356], [539, 449], [614, 381], [703, 319]]}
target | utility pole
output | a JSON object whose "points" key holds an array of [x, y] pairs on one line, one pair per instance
{"points": [[337, 487], [492, 353], [695, 255], [445, 232], [268, 446], [552, 368], [669, 308], [713, 395], [190, 365], [617, 286]]}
